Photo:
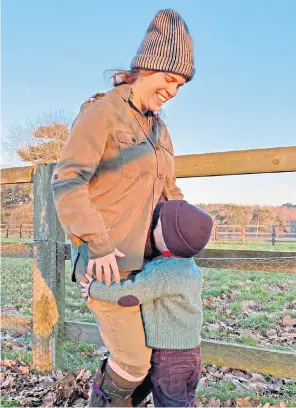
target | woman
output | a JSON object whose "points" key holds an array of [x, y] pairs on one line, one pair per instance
{"points": [[114, 168]]}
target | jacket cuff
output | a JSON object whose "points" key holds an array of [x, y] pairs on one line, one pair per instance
{"points": [[102, 247], [89, 287]]}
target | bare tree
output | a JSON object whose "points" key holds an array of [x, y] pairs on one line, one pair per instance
{"points": [[40, 141]]}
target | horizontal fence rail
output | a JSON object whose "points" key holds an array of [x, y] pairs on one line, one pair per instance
{"points": [[220, 233], [266, 261], [241, 357], [256, 161], [17, 230]]}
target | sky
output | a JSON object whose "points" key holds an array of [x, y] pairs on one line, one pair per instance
{"points": [[243, 96]]}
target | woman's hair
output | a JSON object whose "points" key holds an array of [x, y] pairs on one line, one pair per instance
{"points": [[122, 76]]}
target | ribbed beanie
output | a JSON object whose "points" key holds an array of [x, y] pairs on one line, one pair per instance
{"points": [[167, 46], [186, 229]]}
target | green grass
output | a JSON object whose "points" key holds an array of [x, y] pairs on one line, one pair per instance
{"points": [[16, 240], [25, 356], [226, 390], [9, 404], [273, 293], [255, 246], [80, 355]]}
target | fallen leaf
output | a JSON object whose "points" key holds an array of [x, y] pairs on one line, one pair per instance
{"points": [[239, 386], [23, 370], [225, 369], [239, 374], [213, 326], [257, 378], [30, 402], [19, 361], [208, 301], [233, 294], [214, 402], [212, 369], [78, 403], [274, 337], [288, 336], [7, 345], [244, 402], [204, 382], [2, 377], [48, 399], [256, 402], [251, 304], [66, 386], [80, 375], [87, 376], [289, 321], [8, 382], [271, 332], [8, 363]]}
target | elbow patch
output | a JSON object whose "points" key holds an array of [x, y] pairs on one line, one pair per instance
{"points": [[128, 301]]}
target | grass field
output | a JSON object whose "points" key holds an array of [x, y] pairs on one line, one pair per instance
{"points": [[239, 306], [255, 246]]}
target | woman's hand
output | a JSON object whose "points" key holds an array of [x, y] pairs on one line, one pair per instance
{"points": [[85, 285], [105, 266]]}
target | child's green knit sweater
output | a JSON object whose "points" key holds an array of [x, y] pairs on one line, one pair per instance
{"points": [[169, 291]]}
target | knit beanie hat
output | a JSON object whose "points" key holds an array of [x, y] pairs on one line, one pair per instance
{"points": [[167, 46], [186, 229]]}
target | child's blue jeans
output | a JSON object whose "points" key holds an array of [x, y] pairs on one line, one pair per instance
{"points": [[175, 375]]}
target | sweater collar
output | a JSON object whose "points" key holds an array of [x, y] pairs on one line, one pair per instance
{"points": [[169, 254]]}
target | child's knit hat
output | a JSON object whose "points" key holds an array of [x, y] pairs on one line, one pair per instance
{"points": [[186, 229]]}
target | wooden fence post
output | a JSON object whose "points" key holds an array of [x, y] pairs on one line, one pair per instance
{"points": [[243, 232], [273, 234], [215, 233], [48, 276]]}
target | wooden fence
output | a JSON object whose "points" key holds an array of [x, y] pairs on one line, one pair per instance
{"points": [[49, 325], [17, 230], [251, 233], [221, 233]]}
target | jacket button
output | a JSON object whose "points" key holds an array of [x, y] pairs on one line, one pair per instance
{"points": [[55, 176], [134, 139], [160, 176], [157, 147]]}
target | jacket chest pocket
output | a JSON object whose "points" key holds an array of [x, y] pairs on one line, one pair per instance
{"points": [[136, 154], [169, 166]]}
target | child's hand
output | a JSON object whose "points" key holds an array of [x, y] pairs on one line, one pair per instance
{"points": [[86, 285]]}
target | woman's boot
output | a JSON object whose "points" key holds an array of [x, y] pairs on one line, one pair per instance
{"points": [[109, 389]]}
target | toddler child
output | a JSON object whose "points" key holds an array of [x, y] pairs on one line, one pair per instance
{"points": [[169, 292]]}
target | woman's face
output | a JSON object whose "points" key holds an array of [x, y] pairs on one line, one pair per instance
{"points": [[152, 91]]}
